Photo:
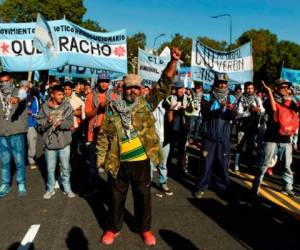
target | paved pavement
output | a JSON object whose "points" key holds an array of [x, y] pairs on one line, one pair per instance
{"points": [[179, 221], [235, 221]]}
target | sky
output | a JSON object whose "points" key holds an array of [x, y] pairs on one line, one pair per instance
{"points": [[192, 18]]}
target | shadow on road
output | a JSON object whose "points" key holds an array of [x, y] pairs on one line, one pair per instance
{"points": [[76, 240], [17, 246], [176, 241], [255, 223]]}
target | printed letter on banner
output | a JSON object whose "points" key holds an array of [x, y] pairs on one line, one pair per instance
{"points": [[73, 46], [238, 63], [150, 67]]}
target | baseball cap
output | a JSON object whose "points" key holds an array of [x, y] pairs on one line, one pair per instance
{"points": [[221, 77], [103, 77], [282, 81], [179, 85]]}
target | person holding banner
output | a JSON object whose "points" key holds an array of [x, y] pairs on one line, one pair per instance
{"points": [[126, 144], [218, 109], [13, 120]]}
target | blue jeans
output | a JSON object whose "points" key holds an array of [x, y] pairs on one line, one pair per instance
{"points": [[284, 151], [162, 167], [194, 127], [12, 146], [51, 160]]}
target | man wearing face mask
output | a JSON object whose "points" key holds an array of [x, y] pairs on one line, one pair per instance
{"points": [[249, 111], [13, 120], [126, 143], [218, 108], [177, 105]]}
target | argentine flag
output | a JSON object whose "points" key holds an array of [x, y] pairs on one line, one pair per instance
{"points": [[43, 38]]}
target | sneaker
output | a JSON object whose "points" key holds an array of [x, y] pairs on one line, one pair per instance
{"points": [[70, 194], [185, 170], [22, 190], [109, 237], [33, 166], [290, 193], [56, 185], [4, 190], [148, 238], [199, 194], [101, 170], [166, 189], [269, 171], [48, 195], [236, 169]]}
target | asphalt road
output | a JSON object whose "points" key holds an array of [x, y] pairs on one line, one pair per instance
{"points": [[236, 221], [179, 221]]}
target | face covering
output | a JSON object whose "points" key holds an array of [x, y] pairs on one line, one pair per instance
{"points": [[6, 88]]}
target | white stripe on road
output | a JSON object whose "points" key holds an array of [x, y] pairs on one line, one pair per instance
{"points": [[29, 237]]}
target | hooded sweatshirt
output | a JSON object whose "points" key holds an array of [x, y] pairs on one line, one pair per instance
{"points": [[60, 137]]}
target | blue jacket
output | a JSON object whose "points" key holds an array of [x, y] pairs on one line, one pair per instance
{"points": [[216, 118], [33, 106]]}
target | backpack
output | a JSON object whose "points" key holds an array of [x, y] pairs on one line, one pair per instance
{"points": [[288, 120]]}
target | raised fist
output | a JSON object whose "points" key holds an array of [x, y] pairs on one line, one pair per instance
{"points": [[175, 54]]}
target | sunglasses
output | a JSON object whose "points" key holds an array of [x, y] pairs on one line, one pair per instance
{"points": [[284, 87], [133, 87]]}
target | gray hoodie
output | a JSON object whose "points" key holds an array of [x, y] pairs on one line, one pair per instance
{"points": [[16, 122], [60, 137]]}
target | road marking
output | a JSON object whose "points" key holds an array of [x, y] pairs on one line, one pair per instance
{"points": [[287, 199], [281, 196], [29, 237], [265, 191]]}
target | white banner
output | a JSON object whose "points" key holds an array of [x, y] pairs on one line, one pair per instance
{"points": [[238, 63], [150, 67]]}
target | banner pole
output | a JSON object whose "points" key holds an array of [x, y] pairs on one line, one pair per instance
{"points": [[29, 78]]}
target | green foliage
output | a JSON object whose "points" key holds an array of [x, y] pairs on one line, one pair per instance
{"points": [[269, 54], [134, 42], [222, 46], [184, 43], [26, 10], [92, 25]]}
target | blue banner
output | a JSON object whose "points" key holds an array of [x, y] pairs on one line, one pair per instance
{"points": [[83, 72], [73, 45], [292, 75], [238, 63]]}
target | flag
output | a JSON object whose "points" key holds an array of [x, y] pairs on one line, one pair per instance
{"points": [[43, 38]]}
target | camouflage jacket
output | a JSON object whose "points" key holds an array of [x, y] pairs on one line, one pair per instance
{"points": [[143, 121]]}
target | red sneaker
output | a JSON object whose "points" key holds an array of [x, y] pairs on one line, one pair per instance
{"points": [[108, 237], [270, 171], [148, 238]]}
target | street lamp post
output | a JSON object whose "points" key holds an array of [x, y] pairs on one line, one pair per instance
{"points": [[230, 22], [162, 34]]}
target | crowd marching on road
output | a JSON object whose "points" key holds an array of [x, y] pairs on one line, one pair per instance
{"points": [[130, 130]]}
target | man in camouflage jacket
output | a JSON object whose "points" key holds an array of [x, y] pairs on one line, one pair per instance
{"points": [[126, 144]]}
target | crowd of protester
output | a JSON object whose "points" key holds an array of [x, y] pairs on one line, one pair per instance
{"points": [[131, 130]]}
